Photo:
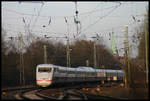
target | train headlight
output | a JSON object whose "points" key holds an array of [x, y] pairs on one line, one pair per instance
{"points": [[114, 78]]}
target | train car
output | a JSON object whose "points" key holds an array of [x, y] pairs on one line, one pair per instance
{"points": [[63, 74], [120, 75], [48, 74], [44, 74], [100, 74], [114, 75], [109, 74], [88, 72]]}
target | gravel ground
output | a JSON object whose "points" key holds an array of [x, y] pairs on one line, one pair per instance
{"points": [[119, 92], [115, 92], [8, 95]]}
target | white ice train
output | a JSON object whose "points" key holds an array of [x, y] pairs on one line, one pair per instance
{"points": [[48, 74]]}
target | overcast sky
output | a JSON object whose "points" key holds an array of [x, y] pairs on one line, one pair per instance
{"points": [[94, 17]]}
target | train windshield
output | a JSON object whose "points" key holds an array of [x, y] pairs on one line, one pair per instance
{"points": [[44, 70]]}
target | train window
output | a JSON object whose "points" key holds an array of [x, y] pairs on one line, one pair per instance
{"points": [[62, 71], [44, 70], [71, 72], [55, 69], [59, 71]]}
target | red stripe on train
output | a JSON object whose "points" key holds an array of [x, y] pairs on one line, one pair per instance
{"points": [[43, 80]]}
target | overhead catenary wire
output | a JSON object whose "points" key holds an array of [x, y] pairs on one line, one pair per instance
{"points": [[37, 16], [93, 11], [27, 29], [89, 13], [20, 13], [27, 26], [9, 29], [97, 10], [19, 28], [116, 28], [100, 18], [31, 19], [49, 20]]}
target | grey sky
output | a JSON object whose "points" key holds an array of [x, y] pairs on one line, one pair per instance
{"points": [[95, 17]]}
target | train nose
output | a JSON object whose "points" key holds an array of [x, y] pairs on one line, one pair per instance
{"points": [[44, 83]]}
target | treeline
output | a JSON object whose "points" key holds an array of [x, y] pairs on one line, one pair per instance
{"points": [[81, 51], [138, 64]]}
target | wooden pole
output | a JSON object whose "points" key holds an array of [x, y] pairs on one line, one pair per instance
{"points": [[95, 64], [146, 47], [45, 54]]}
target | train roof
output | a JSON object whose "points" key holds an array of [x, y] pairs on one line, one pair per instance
{"points": [[108, 70], [120, 71], [43, 65], [80, 68], [65, 68], [100, 70], [61, 67], [83, 68], [70, 69]]}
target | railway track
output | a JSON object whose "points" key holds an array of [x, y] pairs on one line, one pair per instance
{"points": [[8, 93], [17, 92], [72, 93], [55, 93], [65, 93], [31, 95]]}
